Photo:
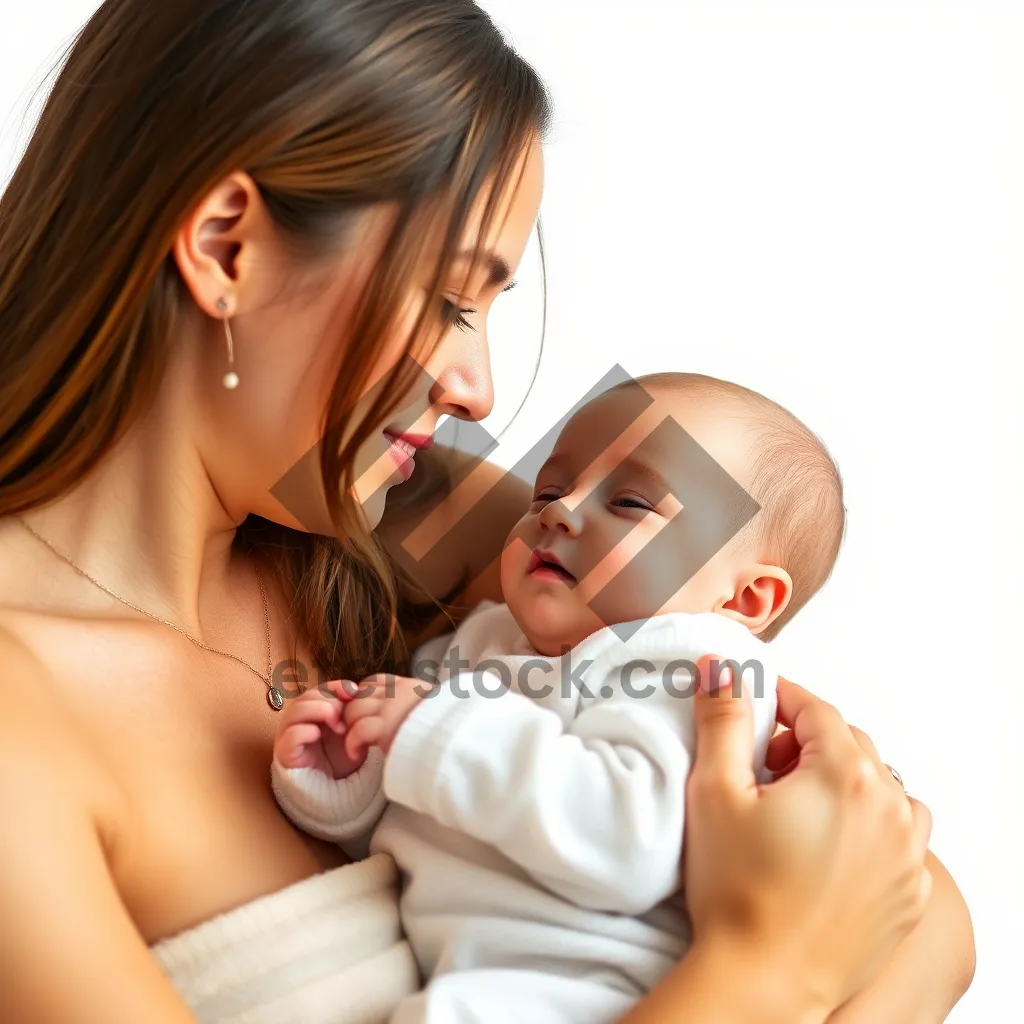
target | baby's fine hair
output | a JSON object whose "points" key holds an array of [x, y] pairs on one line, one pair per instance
{"points": [[794, 479]]}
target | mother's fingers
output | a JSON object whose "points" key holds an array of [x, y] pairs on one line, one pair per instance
{"points": [[818, 729], [725, 729], [822, 739], [783, 752], [863, 741], [799, 707], [785, 747], [792, 698]]}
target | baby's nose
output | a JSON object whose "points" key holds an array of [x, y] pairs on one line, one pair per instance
{"points": [[563, 517]]}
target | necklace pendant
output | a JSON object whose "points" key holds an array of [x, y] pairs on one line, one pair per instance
{"points": [[274, 696]]}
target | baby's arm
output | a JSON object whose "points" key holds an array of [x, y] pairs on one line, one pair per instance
{"points": [[319, 787], [592, 810]]}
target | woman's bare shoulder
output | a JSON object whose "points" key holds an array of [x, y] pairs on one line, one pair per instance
{"points": [[23, 673], [40, 747], [19, 664], [57, 883]]}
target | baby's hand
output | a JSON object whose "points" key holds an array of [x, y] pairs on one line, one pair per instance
{"points": [[374, 716], [311, 731]]}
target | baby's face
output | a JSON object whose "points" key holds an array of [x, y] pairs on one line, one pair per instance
{"points": [[586, 554]]}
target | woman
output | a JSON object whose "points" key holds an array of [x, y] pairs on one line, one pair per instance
{"points": [[239, 231]]}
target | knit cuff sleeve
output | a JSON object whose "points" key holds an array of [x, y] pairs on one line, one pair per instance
{"points": [[338, 810]]}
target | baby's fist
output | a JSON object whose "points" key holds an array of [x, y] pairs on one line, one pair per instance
{"points": [[311, 730], [374, 716]]}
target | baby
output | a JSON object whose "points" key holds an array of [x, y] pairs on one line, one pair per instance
{"points": [[532, 790]]}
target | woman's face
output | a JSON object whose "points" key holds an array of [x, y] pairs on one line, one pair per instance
{"points": [[259, 442], [456, 377]]}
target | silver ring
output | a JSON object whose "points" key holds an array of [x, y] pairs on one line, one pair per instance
{"points": [[896, 775]]}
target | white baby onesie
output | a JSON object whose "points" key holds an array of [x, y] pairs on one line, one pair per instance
{"points": [[535, 809]]}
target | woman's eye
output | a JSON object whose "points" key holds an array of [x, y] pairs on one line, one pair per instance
{"points": [[451, 314], [545, 497]]}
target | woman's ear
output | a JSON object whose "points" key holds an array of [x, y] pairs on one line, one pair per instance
{"points": [[209, 244], [760, 597]]}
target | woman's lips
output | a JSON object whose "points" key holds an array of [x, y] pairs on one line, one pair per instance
{"points": [[403, 449], [418, 441]]}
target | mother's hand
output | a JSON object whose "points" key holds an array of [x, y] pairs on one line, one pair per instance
{"points": [[819, 874]]}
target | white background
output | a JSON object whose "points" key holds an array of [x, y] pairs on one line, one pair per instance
{"points": [[825, 202]]}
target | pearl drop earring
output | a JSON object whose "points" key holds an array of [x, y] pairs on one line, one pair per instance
{"points": [[230, 378]]}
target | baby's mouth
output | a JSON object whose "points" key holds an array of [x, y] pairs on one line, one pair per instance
{"points": [[545, 564]]}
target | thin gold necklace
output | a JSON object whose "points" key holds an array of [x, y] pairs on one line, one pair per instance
{"points": [[274, 696]]}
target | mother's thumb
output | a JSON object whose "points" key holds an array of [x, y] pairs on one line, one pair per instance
{"points": [[724, 718]]}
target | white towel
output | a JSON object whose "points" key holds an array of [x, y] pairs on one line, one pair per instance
{"points": [[327, 950]]}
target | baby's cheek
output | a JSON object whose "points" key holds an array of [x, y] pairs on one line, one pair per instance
{"points": [[514, 559], [697, 594], [623, 562], [633, 582]]}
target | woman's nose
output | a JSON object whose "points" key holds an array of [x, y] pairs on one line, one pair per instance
{"points": [[561, 517], [463, 386]]}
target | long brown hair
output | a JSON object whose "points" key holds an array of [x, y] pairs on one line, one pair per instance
{"points": [[330, 106]]}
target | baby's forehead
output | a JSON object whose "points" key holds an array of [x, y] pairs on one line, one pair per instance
{"points": [[661, 424], [630, 412]]}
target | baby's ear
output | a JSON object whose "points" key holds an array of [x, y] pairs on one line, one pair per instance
{"points": [[761, 595]]}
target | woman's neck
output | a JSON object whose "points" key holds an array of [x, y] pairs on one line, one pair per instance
{"points": [[147, 522]]}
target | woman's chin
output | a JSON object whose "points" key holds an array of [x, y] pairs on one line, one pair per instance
{"points": [[373, 508], [372, 501]]}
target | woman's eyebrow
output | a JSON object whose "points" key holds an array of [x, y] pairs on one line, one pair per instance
{"points": [[500, 271]]}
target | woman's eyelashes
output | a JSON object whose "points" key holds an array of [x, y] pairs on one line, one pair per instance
{"points": [[456, 317]]}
